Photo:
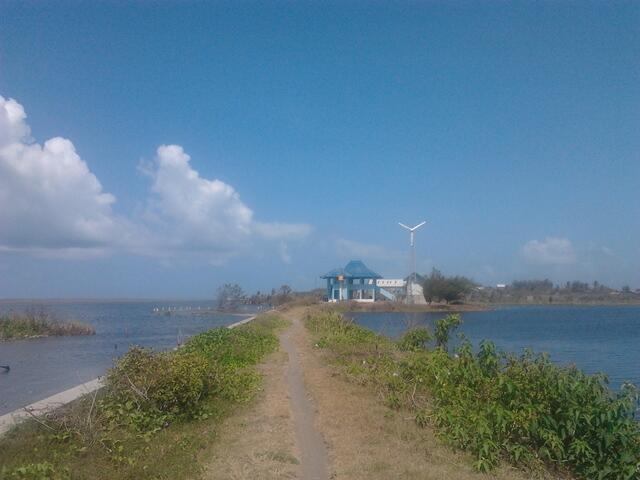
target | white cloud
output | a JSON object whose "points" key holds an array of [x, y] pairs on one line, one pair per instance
{"points": [[51, 204], [353, 249], [49, 199], [550, 251], [193, 214], [188, 212]]}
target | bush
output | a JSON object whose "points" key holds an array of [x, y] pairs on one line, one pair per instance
{"points": [[523, 409], [121, 426], [159, 386], [414, 339], [444, 326], [450, 289], [149, 389]]}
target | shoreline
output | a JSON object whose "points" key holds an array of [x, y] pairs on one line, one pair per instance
{"points": [[60, 399], [389, 307]]}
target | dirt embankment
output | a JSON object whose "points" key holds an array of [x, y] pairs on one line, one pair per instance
{"points": [[310, 423]]}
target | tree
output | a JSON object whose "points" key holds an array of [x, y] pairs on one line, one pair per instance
{"points": [[438, 287], [229, 296], [283, 295]]}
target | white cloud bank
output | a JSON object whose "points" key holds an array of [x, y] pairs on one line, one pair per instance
{"points": [[550, 251], [49, 199], [52, 204]]}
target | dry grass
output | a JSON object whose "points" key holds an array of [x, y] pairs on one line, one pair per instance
{"points": [[368, 441], [258, 441], [36, 324]]}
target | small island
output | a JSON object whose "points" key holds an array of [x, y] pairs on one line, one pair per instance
{"points": [[17, 326]]}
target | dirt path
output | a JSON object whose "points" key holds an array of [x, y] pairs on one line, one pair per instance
{"points": [[309, 423], [365, 439], [258, 441], [309, 440], [275, 437]]}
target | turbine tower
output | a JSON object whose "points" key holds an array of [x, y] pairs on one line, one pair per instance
{"points": [[412, 231]]}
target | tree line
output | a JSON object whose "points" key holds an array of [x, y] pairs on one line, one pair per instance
{"points": [[455, 289], [231, 295]]}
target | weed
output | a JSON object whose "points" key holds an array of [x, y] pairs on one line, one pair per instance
{"points": [[520, 408], [38, 323], [140, 424]]}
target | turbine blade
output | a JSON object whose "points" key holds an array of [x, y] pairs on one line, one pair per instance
{"points": [[404, 226], [419, 225]]}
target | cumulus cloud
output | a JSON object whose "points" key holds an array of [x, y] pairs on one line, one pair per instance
{"points": [[188, 212], [49, 199], [195, 214], [51, 204], [550, 251]]}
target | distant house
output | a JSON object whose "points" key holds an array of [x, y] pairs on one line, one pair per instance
{"points": [[501, 285], [353, 282]]}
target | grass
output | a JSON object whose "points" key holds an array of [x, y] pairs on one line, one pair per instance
{"points": [[15, 326], [520, 410], [158, 411]]}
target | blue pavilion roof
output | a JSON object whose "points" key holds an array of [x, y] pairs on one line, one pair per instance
{"points": [[353, 269]]}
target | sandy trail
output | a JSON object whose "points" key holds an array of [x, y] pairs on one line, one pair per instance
{"points": [[313, 450], [310, 423], [273, 438]]}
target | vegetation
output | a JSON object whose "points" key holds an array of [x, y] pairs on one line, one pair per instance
{"points": [[444, 327], [231, 295], [157, 410], [521, 409], [276, 297], [34, 324], [448, 289], [546, 292]]}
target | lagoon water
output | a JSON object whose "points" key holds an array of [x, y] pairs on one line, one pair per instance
{"points": [[596, 339], [45, 366]]}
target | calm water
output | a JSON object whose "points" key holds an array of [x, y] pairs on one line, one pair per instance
{"points": [[43, 367], [596, 339]]}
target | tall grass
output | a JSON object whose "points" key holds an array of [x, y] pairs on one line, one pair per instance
{"points": [[153, 415], [35, 324], [522, 409]]}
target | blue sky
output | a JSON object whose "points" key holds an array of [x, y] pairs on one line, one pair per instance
{"points": [[311, 130]]}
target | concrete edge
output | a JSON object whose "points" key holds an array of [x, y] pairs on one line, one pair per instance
{"points": [[242, 322], [11, 419]]}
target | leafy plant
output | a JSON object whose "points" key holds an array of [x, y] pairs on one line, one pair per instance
{"points": [[520, 408], [414, 339], [146, 394], [444, 327]]}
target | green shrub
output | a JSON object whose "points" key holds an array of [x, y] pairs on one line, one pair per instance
{"points": [[414, 339], [444, 326], [149, 389], [124, 424], [33, 471], [523, 409], [146, 385], [339, 333]]}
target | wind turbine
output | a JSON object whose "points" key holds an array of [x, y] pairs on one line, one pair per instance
{"points": [[412, 231]]}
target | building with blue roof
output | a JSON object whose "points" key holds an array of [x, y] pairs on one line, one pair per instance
{"points": [[355, 281]]}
